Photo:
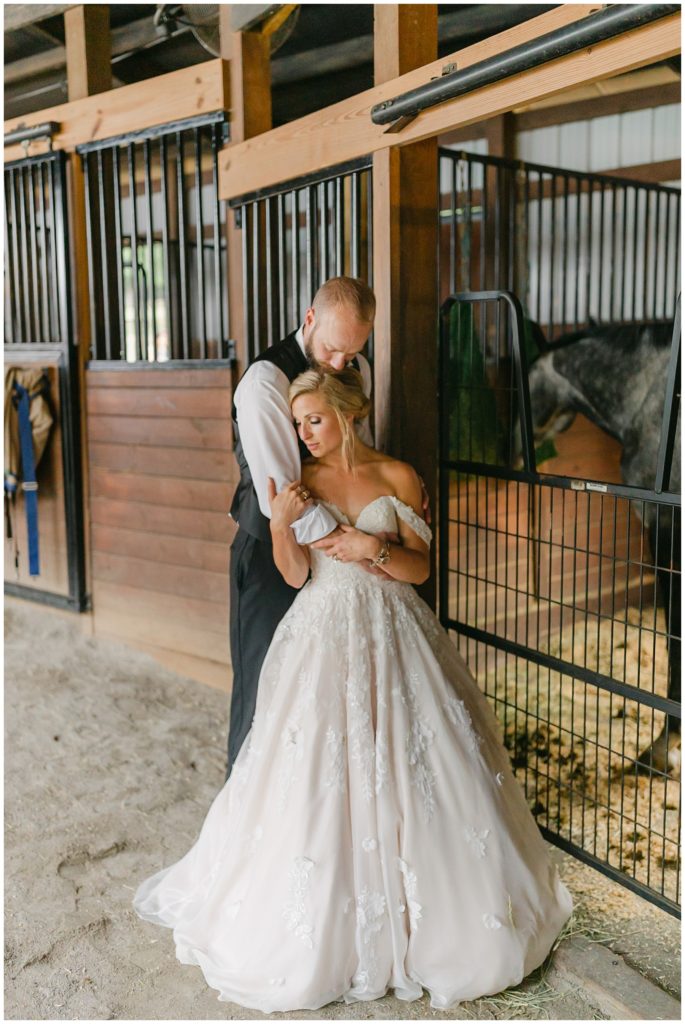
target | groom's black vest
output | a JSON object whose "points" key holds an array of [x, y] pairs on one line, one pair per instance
{"points": [[288, 357]]}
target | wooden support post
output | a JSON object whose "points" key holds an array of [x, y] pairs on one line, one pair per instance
{"points": [[89, 71], [405, 231], [89, 50], [500, 134], [249, 80]]}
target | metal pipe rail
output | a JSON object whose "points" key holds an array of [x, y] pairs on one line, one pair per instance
{"points": [[606, 24]]}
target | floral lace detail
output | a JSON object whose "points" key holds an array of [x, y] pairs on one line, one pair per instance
{"points": [[420, 528], [335, 777], [292, 739], [476, 840], [370, 913], [294, 910], [419, 738], [409, 878], [458, 714], [369, 844], [491, 922]]}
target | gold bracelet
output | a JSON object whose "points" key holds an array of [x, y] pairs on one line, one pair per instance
{"points": [[383, 556]]}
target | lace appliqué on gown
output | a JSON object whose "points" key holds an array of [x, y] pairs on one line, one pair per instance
{"points": [[294, 909]]}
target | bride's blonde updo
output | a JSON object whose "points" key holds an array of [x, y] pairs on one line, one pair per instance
{"points": [[343, 391]]}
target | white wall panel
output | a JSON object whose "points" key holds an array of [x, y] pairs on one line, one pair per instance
{"points": [[574, 145], [604, 149], [636, 135], [666, 132]]}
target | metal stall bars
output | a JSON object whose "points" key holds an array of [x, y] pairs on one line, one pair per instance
{"points": [[39, 330], [555, 598], [156, 244], [573, 246], [301, 233]]}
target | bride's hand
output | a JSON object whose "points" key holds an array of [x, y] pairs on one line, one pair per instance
{"points": [[347, 544], [378, 570], [287, 506]]}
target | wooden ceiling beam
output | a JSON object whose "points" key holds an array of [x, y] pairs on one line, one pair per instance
{"points": [[599, 106], [345, 130], [88, 50], [124, 38], [186, 93], [18, 16]]}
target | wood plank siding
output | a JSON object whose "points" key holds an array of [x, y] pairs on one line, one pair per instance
{"points": [[162, 474]]}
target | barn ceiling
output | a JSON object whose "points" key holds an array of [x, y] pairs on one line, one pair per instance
{"points": [[327, 57]]}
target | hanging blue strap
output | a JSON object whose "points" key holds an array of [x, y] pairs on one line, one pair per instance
{"points": [[28, 473]]}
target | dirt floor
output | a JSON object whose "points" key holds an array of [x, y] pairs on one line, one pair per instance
{"points": [[110, 765]]}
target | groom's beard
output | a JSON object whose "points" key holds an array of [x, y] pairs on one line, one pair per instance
{"points": [[309, 353]]}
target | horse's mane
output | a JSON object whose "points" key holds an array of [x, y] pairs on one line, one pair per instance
{"points": [[626, 336]]}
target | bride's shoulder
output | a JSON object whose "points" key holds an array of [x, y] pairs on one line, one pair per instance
{"points": [[404, 480]]}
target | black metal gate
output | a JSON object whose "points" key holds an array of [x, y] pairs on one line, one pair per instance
{"points": [[39, 330], [555, 606], [157, 244]]}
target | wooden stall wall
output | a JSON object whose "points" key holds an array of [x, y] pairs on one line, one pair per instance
{"points": [[162, 474]]}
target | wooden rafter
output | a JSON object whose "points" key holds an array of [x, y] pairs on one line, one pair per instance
{"points": [[345, 131], [195, 90]]}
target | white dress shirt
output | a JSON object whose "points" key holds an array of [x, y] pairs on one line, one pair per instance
{"points": [[269, 439]]}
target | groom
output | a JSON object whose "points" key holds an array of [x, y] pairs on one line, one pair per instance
{"points": [[336, 327]]}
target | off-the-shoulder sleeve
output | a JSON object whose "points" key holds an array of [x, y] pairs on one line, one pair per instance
{"points": [[420, 528]]}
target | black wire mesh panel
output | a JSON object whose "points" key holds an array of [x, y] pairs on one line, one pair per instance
{"points": [[572, 246], [157, 244], [35, 266], [564, 598], [295, 237]]}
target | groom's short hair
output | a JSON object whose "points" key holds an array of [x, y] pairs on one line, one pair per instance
{"points": [[350, 292]]}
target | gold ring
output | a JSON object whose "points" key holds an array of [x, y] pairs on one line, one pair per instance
{"points": [[305, 495], [336, 558]]}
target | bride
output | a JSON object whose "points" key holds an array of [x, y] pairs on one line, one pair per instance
{"points": [[372, 835]]}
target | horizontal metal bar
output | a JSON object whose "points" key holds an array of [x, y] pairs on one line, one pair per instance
{"points": [[653, 895], [561, 482], [199, 121], [566, 668], [168, 364], [560, 172], [316, 177], [72, 604], [36, 351], [28, 161], [36, 131], [605, 24]]}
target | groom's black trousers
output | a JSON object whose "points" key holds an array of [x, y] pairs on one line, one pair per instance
{"points": [[260, 597]]}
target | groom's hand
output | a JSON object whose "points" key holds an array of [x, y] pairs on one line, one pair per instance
{"points": [[425, 503]]}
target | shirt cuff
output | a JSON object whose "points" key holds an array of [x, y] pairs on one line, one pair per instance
{"points": [[316, 522]]}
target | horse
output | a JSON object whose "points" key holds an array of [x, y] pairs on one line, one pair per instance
{"points": [[616, 375]]}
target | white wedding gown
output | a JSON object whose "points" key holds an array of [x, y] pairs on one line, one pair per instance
{"points": [[372, 835]]}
